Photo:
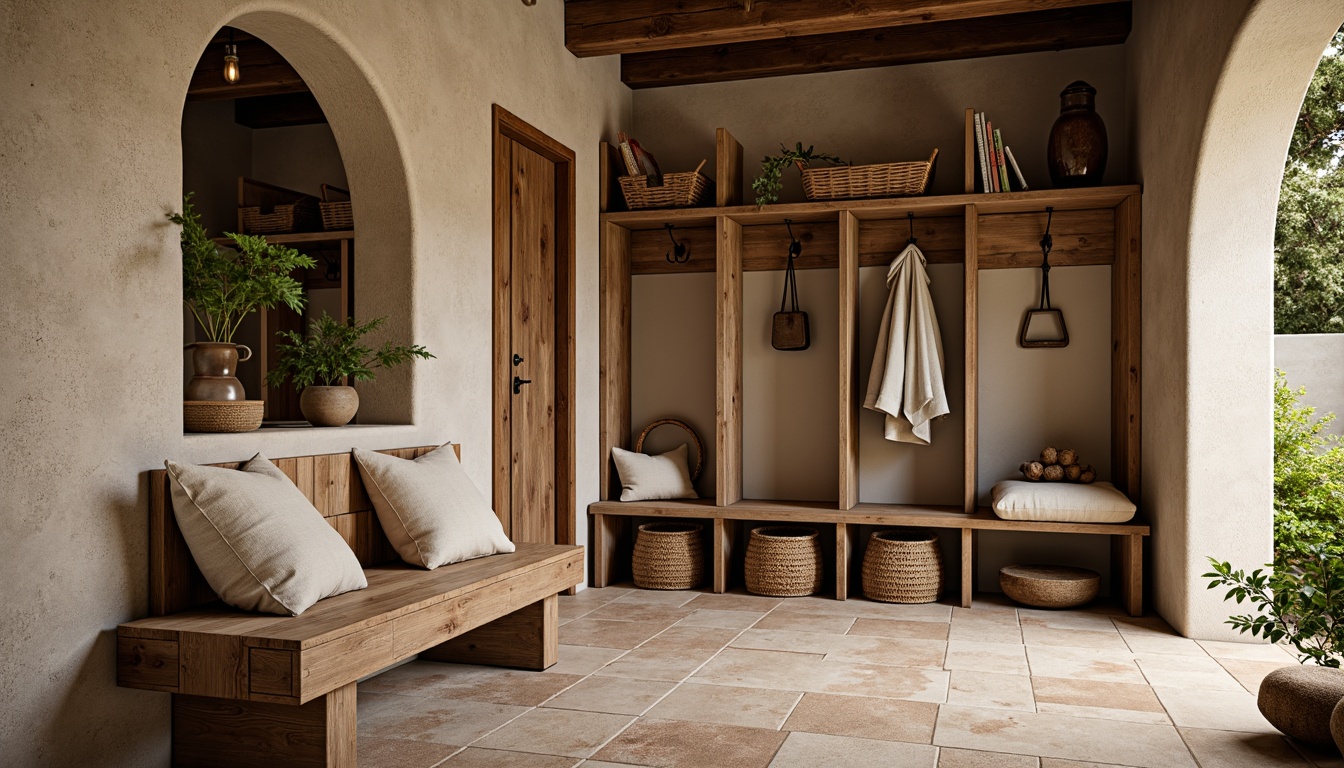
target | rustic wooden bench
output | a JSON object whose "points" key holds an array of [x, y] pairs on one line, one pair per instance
{"points": [[258, 689]]}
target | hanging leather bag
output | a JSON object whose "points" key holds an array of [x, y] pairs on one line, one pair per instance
{"points": [[789, 332]]}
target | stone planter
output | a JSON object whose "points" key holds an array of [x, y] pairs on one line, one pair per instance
{"points": [[329, 406]]}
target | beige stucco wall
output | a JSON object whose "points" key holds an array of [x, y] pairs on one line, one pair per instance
{"points": [[90, 357], [1215, 86], [1315, 361]]}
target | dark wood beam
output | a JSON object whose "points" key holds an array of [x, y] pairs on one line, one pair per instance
{"points": [[264, 71], [1051, 30], [278, 111], [604, 27]]}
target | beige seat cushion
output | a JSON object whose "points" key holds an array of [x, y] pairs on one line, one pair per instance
{"points": [[259, 542], [430, 510], [1061, 502], [664, 476]]}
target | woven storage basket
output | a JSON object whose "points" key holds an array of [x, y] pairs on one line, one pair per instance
{"points": [[1049, 586], [669, 556], [222, 415], [783, 561], [336, 214], [300, 216], [885, 180], [679, 190], [903, 565]]}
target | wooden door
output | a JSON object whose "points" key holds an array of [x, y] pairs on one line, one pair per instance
{"points": [[532, 250]]}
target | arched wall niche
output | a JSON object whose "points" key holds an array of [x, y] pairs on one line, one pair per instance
{"points": [[380, 183]]}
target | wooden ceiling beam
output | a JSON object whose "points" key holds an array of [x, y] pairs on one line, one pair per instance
{"points": [[264, 71], [1051, 30], [604, 27]]}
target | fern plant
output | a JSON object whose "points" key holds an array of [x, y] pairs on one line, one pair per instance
{"points": [[222, 288], [769, 183], [333, 350]]}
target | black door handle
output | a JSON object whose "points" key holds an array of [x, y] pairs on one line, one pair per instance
{"points": [[518, 384], [517, 359]]}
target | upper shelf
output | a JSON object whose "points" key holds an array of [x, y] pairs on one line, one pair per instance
{"points": [[883, 208]]}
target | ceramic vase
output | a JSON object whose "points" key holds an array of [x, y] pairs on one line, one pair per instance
{"points": [[1077, 152]]}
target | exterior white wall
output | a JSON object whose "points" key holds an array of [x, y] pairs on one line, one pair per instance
{"points": [[1315, 361], [91, 359]]}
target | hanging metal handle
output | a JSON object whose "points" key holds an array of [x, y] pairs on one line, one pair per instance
{"points": [[1044, 313], [680, 253]]}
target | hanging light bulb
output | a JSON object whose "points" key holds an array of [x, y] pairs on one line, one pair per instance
{"points": [[232, 74]]}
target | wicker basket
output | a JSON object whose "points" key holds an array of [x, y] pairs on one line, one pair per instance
{"points": [[783, 561], [903, 565], [300, 216], [845, 182], [669, 556], [679, 190], [1049, 586], [699, 446], [336, 214], [222, 415]]}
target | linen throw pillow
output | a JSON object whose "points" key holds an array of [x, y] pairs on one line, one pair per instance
{"points": [[1061, 502], [664, 476], [429, 508], [258, 541]]}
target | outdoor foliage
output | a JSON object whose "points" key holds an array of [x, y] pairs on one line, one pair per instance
{"points": [[1308, 480], [221, 288], [768, 184], [332, 351], [1309, 232], [1301, 604]]}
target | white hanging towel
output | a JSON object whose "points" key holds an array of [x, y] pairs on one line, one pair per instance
{"points": [[906, 382]]}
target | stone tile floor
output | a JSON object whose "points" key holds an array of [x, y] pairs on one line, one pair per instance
{"points": [[701, 680]]}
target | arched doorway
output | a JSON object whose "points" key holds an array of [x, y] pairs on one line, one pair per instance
{"points": [[367, 159]]}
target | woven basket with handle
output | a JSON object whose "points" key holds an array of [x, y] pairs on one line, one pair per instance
{"points": [[903, 565], [669, 556], [784, 561], [845, 182], [679, 190], [699, 446]]}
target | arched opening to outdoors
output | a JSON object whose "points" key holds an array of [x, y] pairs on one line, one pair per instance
{"points": [[300, 148]]}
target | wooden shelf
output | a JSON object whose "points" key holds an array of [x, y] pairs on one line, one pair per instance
{"points": [[294, 238], [1087, 198]]}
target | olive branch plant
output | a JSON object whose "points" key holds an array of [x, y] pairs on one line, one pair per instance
{"points": [[768, 184]]}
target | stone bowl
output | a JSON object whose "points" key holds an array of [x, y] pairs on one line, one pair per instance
{"points": [[1300, 701]]}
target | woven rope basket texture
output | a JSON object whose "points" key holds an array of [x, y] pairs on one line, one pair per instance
{"points": [[784, 561], [883, 180], [669, 556], [222, 415], [679, 190], [903, 565], [1049, 586]]}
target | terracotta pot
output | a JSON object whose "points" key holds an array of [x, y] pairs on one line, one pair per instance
{"points": [[214, 364], [1077, 153], [329, 406]]}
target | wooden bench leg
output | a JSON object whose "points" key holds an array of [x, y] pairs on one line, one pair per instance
{"points": [[228, 733], [1128, 549], [967, 566], [528, 638]]}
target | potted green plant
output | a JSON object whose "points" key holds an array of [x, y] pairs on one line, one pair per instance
{"points": [[769, 183], [328, 356], [221, 288]]}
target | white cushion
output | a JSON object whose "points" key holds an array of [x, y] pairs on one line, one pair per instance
{"points": [[259, 542], [1061, 502], [429, 508], [664, 476]]}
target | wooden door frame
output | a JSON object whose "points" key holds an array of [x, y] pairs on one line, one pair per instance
{"points": [[508, 127]]}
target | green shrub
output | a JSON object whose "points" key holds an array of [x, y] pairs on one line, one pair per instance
{"points": [[1308, 479], [1300, 603]]}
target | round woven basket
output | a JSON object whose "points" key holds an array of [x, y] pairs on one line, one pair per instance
{"points": [[222, 415], [903, 565], [669, 556], [1049, 586], [783, 561]]}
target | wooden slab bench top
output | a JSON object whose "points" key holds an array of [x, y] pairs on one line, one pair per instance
{"points": [[253, 689]]}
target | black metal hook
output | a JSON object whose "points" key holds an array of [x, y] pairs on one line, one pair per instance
{"points": [[1047, 243], [910, 217], [795, 247], [680, 253]]}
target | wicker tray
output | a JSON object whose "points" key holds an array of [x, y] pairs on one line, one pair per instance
{"points": [[845, 182], [336, 214], [903, 565], [784, 561], [222, 415], [265, 209], [669, 556], [679, 190]]}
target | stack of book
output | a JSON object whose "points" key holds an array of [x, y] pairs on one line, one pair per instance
{"points": [[995, 159], [638, 161]]}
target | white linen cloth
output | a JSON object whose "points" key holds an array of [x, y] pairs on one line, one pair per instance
{"points": [[906, 381]]}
